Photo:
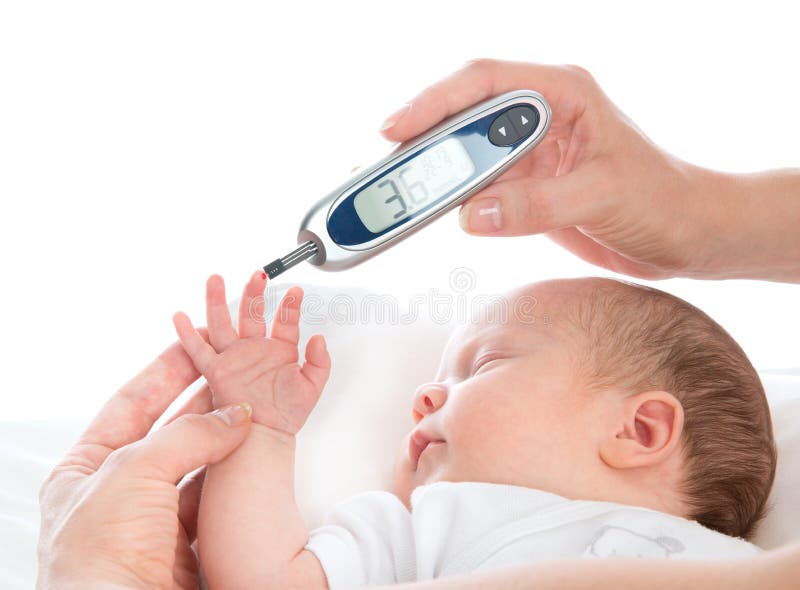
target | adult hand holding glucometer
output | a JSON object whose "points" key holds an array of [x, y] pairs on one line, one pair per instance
{"points": [[598, 186], [594, 183]]}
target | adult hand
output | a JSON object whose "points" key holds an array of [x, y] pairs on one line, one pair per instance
{"points": [[111, 513], [595, 185]]}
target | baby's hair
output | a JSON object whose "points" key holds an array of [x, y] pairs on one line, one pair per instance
{"points": [[640, 338]]}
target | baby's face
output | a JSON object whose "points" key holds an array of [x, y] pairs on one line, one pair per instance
{"points": [[503, 407]]}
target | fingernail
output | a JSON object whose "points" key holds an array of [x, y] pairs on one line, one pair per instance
{"points": [[235, 414], [481, 217], [395, 117]]}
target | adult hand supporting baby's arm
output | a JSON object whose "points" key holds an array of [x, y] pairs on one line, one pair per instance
{"points": [[111, 514], [250, 530], [599, 187]]}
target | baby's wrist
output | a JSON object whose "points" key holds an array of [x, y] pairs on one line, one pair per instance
{"points": [[273, 435], [278, 425]]}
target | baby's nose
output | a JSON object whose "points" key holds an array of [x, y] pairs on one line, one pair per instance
{"points": [[427, 399]]}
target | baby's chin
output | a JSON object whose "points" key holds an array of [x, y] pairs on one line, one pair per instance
{"points": [[406, 479], [403, 481]]}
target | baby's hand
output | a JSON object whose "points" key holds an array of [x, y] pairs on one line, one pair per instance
{"points": [[250, 367]]}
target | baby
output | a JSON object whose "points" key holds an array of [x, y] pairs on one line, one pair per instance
{"points": [[628, 424]]}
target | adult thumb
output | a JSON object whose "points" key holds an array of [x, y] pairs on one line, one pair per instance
{"points": [[532, 205], [191, 441]]}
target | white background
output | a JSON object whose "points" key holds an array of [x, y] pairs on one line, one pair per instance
{"points": [[145, 145]]}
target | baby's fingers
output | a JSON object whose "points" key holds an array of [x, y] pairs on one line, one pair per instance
{"points": [[220, 328], [251, 307], [200, 351], [317, 367], [287, 316]]}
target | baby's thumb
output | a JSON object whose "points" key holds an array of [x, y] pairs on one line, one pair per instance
{"points": [[531, 205], [191, 441]]}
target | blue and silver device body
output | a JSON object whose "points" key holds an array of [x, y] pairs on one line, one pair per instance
{"points": [[419, 181]]}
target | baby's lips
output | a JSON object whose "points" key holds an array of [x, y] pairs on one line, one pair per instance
{"points": [[418, 442]]}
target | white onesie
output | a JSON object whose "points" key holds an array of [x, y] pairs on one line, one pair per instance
{"points": [[456, 528]]}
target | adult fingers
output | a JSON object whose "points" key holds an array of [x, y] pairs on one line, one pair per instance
{"points": [[130, 413], [220, 328], [199, 403], [189, 491], [534, 205], [251, 307], [190, 442], [477, 81]]}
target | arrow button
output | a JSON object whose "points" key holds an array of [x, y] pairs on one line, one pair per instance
{"points": [[502, 132], [525, 119]]}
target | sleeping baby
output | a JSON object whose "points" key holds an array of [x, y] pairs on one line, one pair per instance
{"points": [[627, 424]]}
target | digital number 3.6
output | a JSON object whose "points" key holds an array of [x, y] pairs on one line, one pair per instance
{"points": [[419, 198]]}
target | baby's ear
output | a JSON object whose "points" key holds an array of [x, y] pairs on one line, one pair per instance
{"points": [[646, 431]]}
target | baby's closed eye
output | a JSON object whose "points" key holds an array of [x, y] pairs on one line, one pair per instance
{"points": [[486, 359]]}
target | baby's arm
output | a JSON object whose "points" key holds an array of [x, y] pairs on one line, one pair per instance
{"points": [[250, 531]]}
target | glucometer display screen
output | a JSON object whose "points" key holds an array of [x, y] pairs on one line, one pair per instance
{"points": [[420, 181]]}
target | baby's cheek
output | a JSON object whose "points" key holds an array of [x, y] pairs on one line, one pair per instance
{"points": [[471, 445], [474, 421]]}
